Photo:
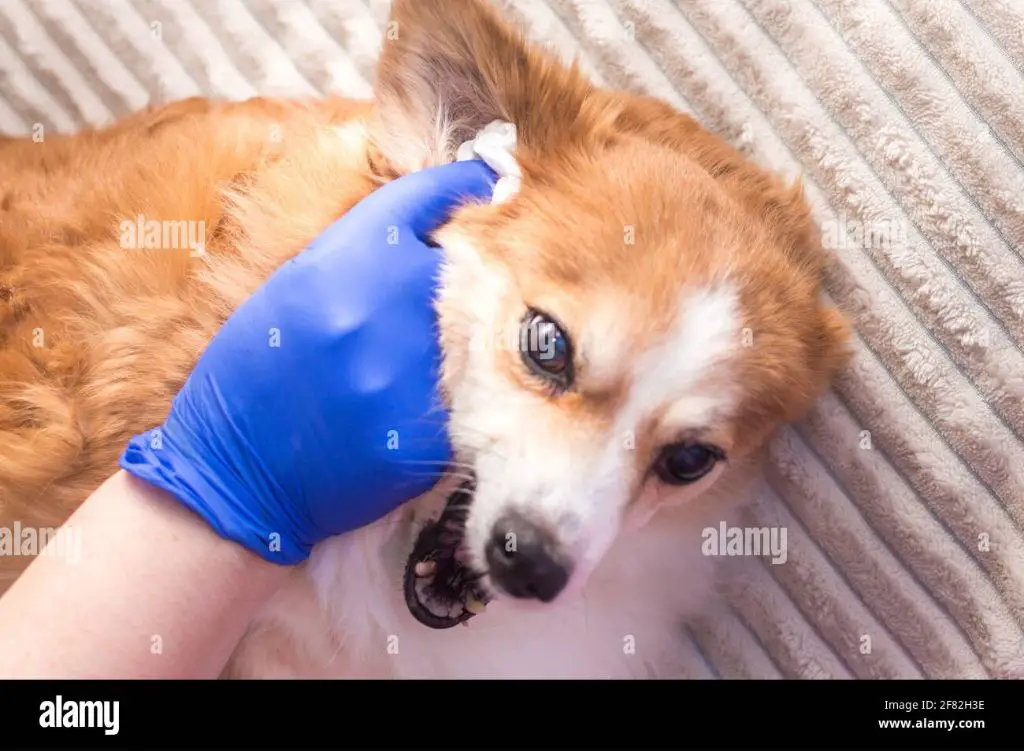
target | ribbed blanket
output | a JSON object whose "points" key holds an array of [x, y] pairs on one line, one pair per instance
{"points": [[902, 493]]}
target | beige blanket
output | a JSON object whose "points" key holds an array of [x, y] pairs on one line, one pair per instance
{"points": [[903, 493]]}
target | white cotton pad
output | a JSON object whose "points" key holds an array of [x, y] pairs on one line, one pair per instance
{"points": [[495, 145]]}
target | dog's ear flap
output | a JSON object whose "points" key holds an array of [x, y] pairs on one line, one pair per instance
{"points": [[448, 68]]}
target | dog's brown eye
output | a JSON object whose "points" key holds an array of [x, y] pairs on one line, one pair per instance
{"points": [[684, 463], [546, 349]]}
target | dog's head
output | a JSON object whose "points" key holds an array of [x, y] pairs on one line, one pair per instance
{"points": [[631, 325]]}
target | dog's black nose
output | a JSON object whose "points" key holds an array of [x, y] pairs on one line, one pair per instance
{"points": [[525, 559]]}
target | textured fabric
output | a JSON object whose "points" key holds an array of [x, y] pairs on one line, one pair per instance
{"points": [[903, 492]]}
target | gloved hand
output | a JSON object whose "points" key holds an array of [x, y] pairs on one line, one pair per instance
{"points": [[314, 410]]}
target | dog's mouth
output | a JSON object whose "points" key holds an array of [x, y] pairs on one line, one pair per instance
{"points": [[441, 590]]}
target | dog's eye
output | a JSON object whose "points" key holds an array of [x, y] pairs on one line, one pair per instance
{"points": [[545, 348], [684, 463]]}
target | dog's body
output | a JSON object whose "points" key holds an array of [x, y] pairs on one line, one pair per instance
{"points": [[96, 337]]}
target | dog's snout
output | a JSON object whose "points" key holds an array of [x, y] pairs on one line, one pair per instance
{"points": [[526, 560]]}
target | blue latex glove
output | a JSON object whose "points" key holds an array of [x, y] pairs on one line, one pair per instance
{"points": [[315, 410]]}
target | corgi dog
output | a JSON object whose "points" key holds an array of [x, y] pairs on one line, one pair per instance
{"points": [[621, 337]]}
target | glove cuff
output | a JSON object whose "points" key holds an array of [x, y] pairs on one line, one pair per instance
{"points": [[153, 457]]}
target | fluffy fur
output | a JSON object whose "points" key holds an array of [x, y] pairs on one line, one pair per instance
{"points": [[688, 278]]}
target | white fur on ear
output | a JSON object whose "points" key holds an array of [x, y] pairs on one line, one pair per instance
{"points": [[495, 145]]}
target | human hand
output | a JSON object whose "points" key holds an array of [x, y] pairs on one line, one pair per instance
{"points": [[314, 410]]}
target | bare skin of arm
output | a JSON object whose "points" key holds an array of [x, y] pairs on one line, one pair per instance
{"points": [[150, 573]]}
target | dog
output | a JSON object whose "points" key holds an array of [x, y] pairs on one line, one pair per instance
{"points": [[621, 339]]}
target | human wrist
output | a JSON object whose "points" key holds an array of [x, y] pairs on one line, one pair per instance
{"points": [[197, 538], [210, 490]]}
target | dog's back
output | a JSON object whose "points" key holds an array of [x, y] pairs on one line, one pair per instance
{"points": [[121, 252]]}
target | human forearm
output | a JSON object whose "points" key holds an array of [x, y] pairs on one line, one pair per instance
{"points": [[154, 593]]}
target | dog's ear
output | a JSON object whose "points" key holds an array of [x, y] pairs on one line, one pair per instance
{"points": [[448, 68]]}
